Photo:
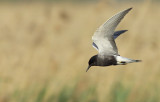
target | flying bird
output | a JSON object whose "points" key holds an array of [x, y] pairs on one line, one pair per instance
{"points": [[104, 43]]}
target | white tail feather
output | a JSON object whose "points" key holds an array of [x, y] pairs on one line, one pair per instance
{"points": [[123, 60]]}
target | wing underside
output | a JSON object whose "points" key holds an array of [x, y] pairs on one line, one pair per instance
{"points": [[115, 35], [104, 36]]}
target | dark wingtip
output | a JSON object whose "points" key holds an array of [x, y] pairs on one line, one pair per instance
{"points": [[125, 30], [130, 8], [138, 60]]}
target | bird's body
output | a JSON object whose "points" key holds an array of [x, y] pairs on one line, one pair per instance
{"points": [[103, 60], [104, 43]]}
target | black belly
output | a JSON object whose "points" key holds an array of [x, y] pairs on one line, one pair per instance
{"points": [[107, 61]]}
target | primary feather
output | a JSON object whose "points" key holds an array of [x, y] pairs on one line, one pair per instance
{"points": [[103, 37]]}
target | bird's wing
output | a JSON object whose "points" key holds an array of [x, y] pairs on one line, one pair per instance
{"points": [[95, 46], [115, 35], [103, 37], [118, 33]]}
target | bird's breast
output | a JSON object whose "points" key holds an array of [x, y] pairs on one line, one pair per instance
{"points": [[106, 61]]}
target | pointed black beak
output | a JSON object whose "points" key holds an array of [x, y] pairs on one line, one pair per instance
{"points": [[88, 68]]}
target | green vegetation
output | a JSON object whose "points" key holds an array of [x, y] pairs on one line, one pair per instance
{"points": [[119, 93]]}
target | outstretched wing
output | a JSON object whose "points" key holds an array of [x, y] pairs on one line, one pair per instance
{"points": [[115, 35], [118, 33], [103, 37]]}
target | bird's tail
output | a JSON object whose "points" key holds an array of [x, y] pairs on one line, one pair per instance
{"points": [[123, 60]]}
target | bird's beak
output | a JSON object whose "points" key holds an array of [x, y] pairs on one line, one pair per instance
{"points": [[88, 68]]}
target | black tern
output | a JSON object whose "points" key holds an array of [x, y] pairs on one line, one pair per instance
{"points": [[104, 43]]}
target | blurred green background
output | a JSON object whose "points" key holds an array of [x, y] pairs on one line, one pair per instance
{"points": [[45, 46]]}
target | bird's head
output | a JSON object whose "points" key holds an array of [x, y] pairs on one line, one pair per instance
{"points": [[92, 62]]}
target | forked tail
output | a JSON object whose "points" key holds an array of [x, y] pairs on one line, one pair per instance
{"points": [[123, 60]]}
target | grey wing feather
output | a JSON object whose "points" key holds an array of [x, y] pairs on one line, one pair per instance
{"points": [[103, 37], [115, 35]]}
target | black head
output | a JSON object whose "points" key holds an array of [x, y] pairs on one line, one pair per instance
{"points": [[92, 62]]}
